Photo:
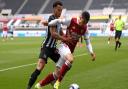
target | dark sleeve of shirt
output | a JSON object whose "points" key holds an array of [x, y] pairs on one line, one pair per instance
{"points": [[52, 17]]}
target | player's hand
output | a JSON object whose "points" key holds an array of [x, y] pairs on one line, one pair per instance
{"points": [[62, 17], [44, 22], [93, 56]]}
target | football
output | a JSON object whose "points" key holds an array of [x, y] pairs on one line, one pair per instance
{"points": [[74, 86]]}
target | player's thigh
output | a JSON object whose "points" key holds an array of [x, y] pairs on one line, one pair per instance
{"points": [[64, 50], [54, 55], [120, 33], [44, 54], [11, 33], [116, 34], [111, 33], [4, 33]]}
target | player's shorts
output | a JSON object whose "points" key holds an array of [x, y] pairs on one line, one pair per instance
{"points": [[63, 51], [5, 33], [111, 33], [118, 34], [11, 32], [49, 52]]}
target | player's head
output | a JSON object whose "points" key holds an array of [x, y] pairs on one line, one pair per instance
{"points": [[119, 16], [85, 17], [57, 8]]}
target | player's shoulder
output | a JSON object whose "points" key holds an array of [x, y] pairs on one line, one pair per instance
{"points": [[74, 20]]}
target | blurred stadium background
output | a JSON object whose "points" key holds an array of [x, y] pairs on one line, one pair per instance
{"points": [[26, 15]]}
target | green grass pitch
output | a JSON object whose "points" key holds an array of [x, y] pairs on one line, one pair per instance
{"points": [[109, 71]]}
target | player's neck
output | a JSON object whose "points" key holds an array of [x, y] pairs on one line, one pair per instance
{"points": [[55, 16], [81, 23]]}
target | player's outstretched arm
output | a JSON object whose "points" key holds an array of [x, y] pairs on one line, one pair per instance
{"points": [[44, 22], [89, 46], [61, 21]]}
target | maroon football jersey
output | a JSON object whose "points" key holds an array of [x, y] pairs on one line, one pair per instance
{"points": [[5, 28], [75, 31], [112, 27]]}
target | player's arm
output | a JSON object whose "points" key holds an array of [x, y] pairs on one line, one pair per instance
{"points": [[54, 34], [89, 45], [123, 25], [53, 31], [57, 36], [44, 22], [61, 21], [115, 23]]}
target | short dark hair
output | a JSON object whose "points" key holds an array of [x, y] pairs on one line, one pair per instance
{"points": [[86, 16], [57, 3]]}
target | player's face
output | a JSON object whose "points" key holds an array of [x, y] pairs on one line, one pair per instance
{"points": [[82, 21], [57, 10]]}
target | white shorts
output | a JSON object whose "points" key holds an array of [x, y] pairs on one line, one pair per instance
{"points": [[111, 33], [5, 33], [63, 51]]}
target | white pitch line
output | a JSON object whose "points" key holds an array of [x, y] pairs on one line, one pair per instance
{"points": [[11, 68], [16, 67]]}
